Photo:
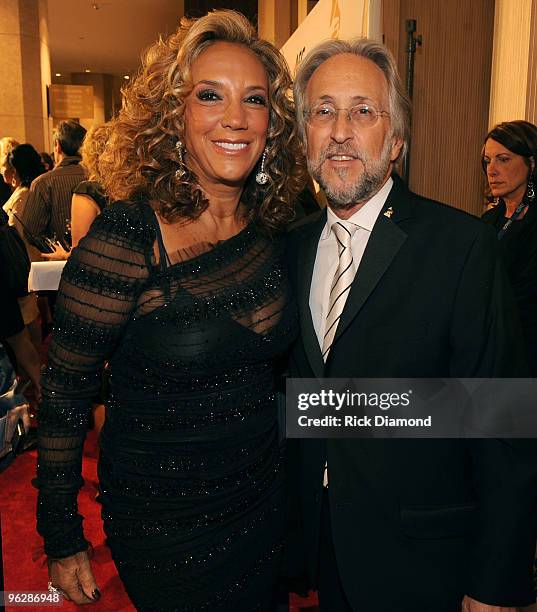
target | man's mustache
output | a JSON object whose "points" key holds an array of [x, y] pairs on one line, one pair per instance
{"points": [[341, 150], [315, 166]]}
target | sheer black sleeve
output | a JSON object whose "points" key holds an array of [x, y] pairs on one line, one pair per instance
{"points": [[98, 292]]}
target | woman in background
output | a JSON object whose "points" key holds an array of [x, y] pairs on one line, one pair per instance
{"points": [[182, 289], [47, 160], [89, 198], [509, 161], [6, 145], [24, 165], [12, 328]]}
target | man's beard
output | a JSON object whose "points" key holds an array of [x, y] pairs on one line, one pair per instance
{"points": [[365, 186]]}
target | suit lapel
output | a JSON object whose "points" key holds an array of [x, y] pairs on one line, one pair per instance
{"points": [[307, 253], [385, 241]]}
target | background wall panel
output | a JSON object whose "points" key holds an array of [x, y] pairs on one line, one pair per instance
{"points": [[451, 94]]}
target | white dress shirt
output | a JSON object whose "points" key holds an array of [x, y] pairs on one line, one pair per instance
{"points": [[327, 258]]}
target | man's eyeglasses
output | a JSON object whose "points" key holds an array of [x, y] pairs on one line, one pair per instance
{"points": [[360, 115]]}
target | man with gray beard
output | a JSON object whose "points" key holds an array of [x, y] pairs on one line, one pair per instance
{"points": [[392, 285]]}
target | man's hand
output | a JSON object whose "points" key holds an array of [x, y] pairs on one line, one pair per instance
{"points": [[74, 578], [59, 253], [471, 605]]}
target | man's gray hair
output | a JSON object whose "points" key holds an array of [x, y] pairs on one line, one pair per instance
{"points": [[70, 134], [399, 101]]}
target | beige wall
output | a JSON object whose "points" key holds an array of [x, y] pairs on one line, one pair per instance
{"points": [[509, 79], [24, 71], [278, 19], [275, 21], [514, 65], [44, 53]]}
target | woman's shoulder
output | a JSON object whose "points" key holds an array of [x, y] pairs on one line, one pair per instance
{"points": [[132, 220], [19, 195], [85, 187], [93, 190]]}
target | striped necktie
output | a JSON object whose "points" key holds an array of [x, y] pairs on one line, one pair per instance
{"points": [[342, 282]]}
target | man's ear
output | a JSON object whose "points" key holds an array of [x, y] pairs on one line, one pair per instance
{"points": [[397, 145]]}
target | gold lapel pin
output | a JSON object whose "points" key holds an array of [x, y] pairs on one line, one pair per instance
{"points": [[388, 213]]}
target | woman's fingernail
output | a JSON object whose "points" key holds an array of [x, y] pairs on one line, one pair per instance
{"points": [[96, 594]]}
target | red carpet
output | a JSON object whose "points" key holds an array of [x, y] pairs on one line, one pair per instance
{"points": [[24, 560], [23, 557]]}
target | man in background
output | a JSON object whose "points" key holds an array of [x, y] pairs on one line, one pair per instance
{"points": [[48, 207]]}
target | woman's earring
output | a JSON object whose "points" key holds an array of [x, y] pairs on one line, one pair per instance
{"points": [[530, 191], [261, 178], [181, 171]]}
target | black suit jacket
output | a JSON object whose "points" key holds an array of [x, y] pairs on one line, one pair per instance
{"points": [[418, 523]]}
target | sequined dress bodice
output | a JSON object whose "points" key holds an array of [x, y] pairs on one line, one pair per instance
{"points": [[189, 471]]}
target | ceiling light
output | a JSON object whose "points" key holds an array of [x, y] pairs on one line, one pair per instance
{"points": [[58, 74], [87, 70]]}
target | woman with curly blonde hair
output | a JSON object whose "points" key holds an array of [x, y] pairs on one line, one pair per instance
{"points": [[181, 287], [89, 198]]}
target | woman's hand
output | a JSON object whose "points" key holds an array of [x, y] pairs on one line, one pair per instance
{"points": [[73, 576], [59, 253], [28, 358]]}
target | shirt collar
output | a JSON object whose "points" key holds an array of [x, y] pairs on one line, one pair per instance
{"points": [[69, 160], [366, 216]]}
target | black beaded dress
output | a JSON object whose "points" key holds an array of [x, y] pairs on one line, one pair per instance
{"points": [[190, 478]]}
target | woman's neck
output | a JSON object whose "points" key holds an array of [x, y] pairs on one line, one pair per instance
{"points": [[510, 207], [221, 222], [513, 200], [225, 213]]}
